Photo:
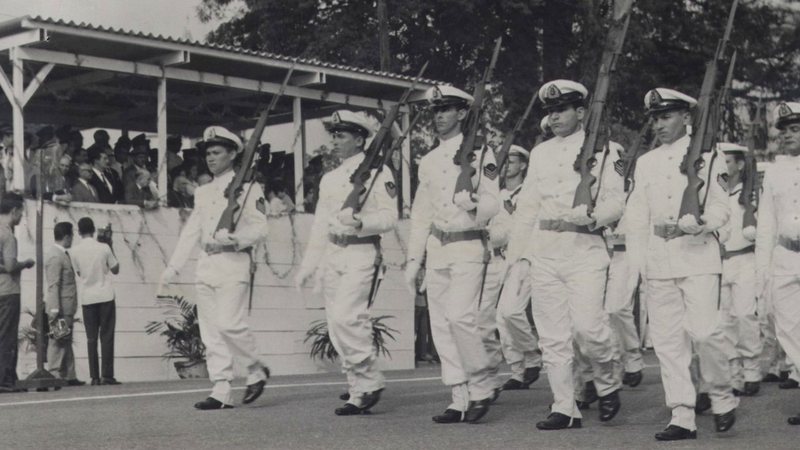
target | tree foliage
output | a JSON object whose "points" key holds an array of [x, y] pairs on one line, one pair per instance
{"points": [[668, 44]]}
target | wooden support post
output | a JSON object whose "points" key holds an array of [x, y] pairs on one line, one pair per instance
{"points": [[405, 171], [18, 122], [162, 141], [299, 149]]}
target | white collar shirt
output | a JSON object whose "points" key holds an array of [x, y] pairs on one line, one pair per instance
{"points": [[92, 262], [779, 218]]}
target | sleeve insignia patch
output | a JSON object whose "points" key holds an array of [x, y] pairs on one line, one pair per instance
{"points": [[509, 206], [490, 170], [619, 167], [261, 205], [722, 179], [391, 189]]}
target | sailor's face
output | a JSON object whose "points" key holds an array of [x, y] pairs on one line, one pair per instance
{"points": [[790, 139], [219, 158], [669, 126], [564, 120], [345, 143], [447, 118]]}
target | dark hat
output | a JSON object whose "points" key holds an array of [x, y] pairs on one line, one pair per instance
{"points": [[140, 140], [787, 113], [45, 134]]}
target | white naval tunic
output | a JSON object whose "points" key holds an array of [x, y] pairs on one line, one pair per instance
{"points": [[454, 271], [778, 267], [568, 269], [222, 282], [682, 278], [348, 271]]}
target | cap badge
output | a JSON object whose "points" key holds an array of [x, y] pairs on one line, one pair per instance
{"points": [[552, 92], [784, 110], [655, 98], [335, 118], [437, 93]]}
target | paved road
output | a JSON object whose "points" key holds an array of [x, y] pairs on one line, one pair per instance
{"points": [[297, 413]]}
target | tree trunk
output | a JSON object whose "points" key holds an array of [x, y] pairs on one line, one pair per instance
{"points": [[383, 36]]}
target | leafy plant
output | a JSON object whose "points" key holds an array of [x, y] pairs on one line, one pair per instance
{"points": [[322, 346], [28, 334], [181, 329]]}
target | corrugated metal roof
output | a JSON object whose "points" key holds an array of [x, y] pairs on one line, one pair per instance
{"points": [[39, 20]]}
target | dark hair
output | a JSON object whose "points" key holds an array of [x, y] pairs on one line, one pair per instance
{"points": [[62, 230], [85, 225], [10, 201], [738, 156], [93, 153]]}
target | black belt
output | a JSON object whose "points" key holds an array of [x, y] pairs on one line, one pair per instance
{"points": [[343, 240], [447, 237], [742, 251], [213, 249], [619, 247], [562, 226], [789, 244], [667, 231]]}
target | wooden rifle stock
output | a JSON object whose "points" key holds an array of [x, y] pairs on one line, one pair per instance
{"points": [[633, 155], [749, 195], [704, 128], [228, 219], [596, 124], [464, 156], [355, 199], [502, 155]]}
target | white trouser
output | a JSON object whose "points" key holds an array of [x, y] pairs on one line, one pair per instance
{"points": [[620, 290], [738, 301], [519, 342], [684, 311], [773, 358], [346, 291], [221, 312], [453, 294], [487, 312], [786, 303], [568, 304]]}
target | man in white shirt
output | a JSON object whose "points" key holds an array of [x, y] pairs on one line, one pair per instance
{"points": [[93, 262]]}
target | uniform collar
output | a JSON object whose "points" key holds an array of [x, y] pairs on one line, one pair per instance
{"points": [[225, 178], [353, 161], [681, 144], [736, 189], [577, 134], [60, 247]]}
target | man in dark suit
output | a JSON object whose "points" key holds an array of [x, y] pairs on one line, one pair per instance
{"points": [[140, 193], [82, 190], [62, 302], [100, 181]]}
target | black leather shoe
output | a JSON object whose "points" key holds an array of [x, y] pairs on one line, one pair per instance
{"points": [[784, 375], [770, 378], [75, 382], [789, 384], [609, 406], [370, 399], [96, 382], [794, 420], [42, 389], [344, 397], [632, 379], [583, 406], [675, 433], [477, 410], [558, 421], [589, 392], [449, 416], [514, 385], [348, 409], [530, 376], [751, 388], [254, 390], [211, 403], [702, 403], [109, 381], [724, 422]]}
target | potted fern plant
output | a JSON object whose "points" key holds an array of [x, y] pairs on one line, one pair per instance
{"points": [[322, 348], [182, 332]]}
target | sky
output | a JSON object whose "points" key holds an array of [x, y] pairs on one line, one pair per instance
{"points": [[179, 18]]}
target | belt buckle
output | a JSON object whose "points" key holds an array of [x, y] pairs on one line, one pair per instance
{"points": [[445, 237]]}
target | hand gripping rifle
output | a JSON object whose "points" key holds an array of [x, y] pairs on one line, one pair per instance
{"points": [[704, 127], [229, 218], [377, 154], [596, 124], [502, 155], [464, 156]]}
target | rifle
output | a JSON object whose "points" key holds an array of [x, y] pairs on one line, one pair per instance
{"points": [[633, 155], [245, 172], [463, 157], [355, 200], [596, 127], [749, 195], [502, 155], [704, 127]]}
